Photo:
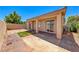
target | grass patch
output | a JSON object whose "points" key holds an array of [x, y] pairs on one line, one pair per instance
{"points": [[24, 33]]}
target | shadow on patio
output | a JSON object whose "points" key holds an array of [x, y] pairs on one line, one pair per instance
{"points": [[67, 41]]}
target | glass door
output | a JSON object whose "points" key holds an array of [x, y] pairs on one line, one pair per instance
{"points": [[50, 25]]}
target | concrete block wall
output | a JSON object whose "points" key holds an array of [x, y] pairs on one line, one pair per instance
{"points": [[15, 26]]}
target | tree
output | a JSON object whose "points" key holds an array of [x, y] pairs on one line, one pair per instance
{"points": [[13, 18]]}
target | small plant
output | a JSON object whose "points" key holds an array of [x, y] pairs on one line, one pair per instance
{"points": [[24, 33]]}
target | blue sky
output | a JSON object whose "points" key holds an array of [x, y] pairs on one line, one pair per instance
{"points": [[31, 11]]}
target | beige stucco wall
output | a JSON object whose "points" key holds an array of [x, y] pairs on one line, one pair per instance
{"points": [[41, 26], [15, 26], [3, 35]]}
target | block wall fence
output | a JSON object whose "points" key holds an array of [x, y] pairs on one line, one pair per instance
{"points": [[15, 26]]}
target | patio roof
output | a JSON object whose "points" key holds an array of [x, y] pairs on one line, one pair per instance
{"points": [[63, 11]]}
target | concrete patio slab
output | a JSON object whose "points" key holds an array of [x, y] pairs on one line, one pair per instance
{"points": [[40, 45]]}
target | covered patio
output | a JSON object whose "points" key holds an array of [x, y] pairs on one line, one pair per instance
{"points": [[52, 22]]}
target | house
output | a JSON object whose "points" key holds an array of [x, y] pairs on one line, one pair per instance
{"points": [[52, 22]]}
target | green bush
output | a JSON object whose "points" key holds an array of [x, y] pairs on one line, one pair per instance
{"points": [[73, 23], [73, 28]]}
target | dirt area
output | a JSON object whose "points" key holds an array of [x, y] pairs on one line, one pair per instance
{"points": [[68, 42]]}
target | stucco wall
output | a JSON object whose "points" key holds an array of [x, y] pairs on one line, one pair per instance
{"points": [[41, 26], [15, 26], [2, 33]]}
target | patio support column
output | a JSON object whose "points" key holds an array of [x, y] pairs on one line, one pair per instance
{"points": [[31, 25], [27, 25], [44, 26], [36, 26], [59, 26], [63, 20], [62, 24]]}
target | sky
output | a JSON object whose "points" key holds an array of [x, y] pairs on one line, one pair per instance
{"points": [[27, 12]]}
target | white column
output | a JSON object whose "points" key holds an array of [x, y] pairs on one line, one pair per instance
{"points": [[59, 26], [36, 26]]}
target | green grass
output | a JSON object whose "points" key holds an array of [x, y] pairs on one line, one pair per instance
{"points": [[24, 33]]}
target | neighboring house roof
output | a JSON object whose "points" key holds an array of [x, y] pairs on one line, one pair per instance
{"points": [[46, 14]]}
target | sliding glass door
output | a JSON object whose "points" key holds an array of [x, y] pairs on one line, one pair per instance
{"points": [[50, 25]]}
